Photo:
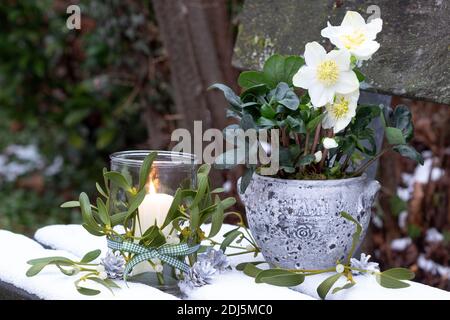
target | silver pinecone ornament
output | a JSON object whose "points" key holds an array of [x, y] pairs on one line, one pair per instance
{"points": [[114, 264]]}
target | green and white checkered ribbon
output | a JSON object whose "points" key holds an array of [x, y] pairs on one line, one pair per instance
{"points": [[166, 253]]}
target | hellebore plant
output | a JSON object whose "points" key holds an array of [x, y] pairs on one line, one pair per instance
{"points": [[323, 132]]}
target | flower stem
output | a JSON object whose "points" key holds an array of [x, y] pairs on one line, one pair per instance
{"points": [[368, 163], [311, 272], [239, 253], [160, 277], [316, 138]]}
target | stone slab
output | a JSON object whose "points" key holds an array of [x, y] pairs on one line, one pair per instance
{"points": [[414, 58]]}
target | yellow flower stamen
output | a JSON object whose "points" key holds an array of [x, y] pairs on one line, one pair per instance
{"points": [[340, 108], [328, 72], [354, 40]]}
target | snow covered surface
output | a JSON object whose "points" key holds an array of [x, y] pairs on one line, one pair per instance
{"points": [[50, 283], [73, 241], [401, 244]]}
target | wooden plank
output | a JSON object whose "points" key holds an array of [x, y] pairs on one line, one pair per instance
{"points": [[414, 58]]}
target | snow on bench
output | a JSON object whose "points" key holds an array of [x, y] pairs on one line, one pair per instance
{"points": [[73, 241]]}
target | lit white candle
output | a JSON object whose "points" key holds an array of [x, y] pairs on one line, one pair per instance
{"points": [[154, 208]]}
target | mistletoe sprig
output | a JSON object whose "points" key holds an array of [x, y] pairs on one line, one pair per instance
{"points": [[91, 271], [391, 278], [191, 208]]}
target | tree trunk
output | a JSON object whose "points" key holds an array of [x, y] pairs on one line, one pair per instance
{"points": [[197, 37], [198, 40]]}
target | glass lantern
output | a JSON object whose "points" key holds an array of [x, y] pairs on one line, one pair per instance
{"points": [[169, 171]]}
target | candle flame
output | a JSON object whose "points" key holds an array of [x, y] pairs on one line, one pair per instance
{"points": [[152, 183], [151, 187]]}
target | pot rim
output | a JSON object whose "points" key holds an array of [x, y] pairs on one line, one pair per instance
{"points": [[360, 178]]}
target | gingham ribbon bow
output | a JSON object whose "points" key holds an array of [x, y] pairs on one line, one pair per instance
{"points": [[166, 253]]}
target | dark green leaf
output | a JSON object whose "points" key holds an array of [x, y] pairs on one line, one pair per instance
{"points": [[246, 179], [274, 70], [263, 122], [217, 219], [102, 282], [306, 160], [281, 69], [402, 120], [71, 204], [218, 190], [35, 269], [194, 217], [68, 271], [387, 281], [118, 218], [144, 172], [91, 256], [231, 97], [229, 239], [356, 235], [399, 273], [86, 211], [267, 111], [346, 286], [100, 190], [118, 179], [325, 286], [241, 266], [93, 231], [311, 126], [228, 202], [174, 211], [103, 212], [279, 277], [409, 152], [394, 136], [153, 237], [247, 122], [49, 260], [361, 77], [87, 291], [251, 270], [291, 66], [136, 202], [295, 124], [249, 79]]}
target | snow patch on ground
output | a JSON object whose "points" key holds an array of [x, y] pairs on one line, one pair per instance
{"points": [[433, 267], [433, 235], [401, 244], [18, 160], [421, 174]]}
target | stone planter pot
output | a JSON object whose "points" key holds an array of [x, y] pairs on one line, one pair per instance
{"points": [[297, 223]]}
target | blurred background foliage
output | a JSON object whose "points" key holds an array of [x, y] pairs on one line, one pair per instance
{"points": [[69, 98]]}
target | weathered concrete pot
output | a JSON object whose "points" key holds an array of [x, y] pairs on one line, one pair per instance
{"points": [[297, 223]]}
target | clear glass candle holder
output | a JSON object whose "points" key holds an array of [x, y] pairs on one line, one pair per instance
{"points": [[170, 171]]}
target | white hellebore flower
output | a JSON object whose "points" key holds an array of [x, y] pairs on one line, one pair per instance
{"points": [[329, 143], [355, 35], [317, 156], [325, 74], [341, 111]]}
